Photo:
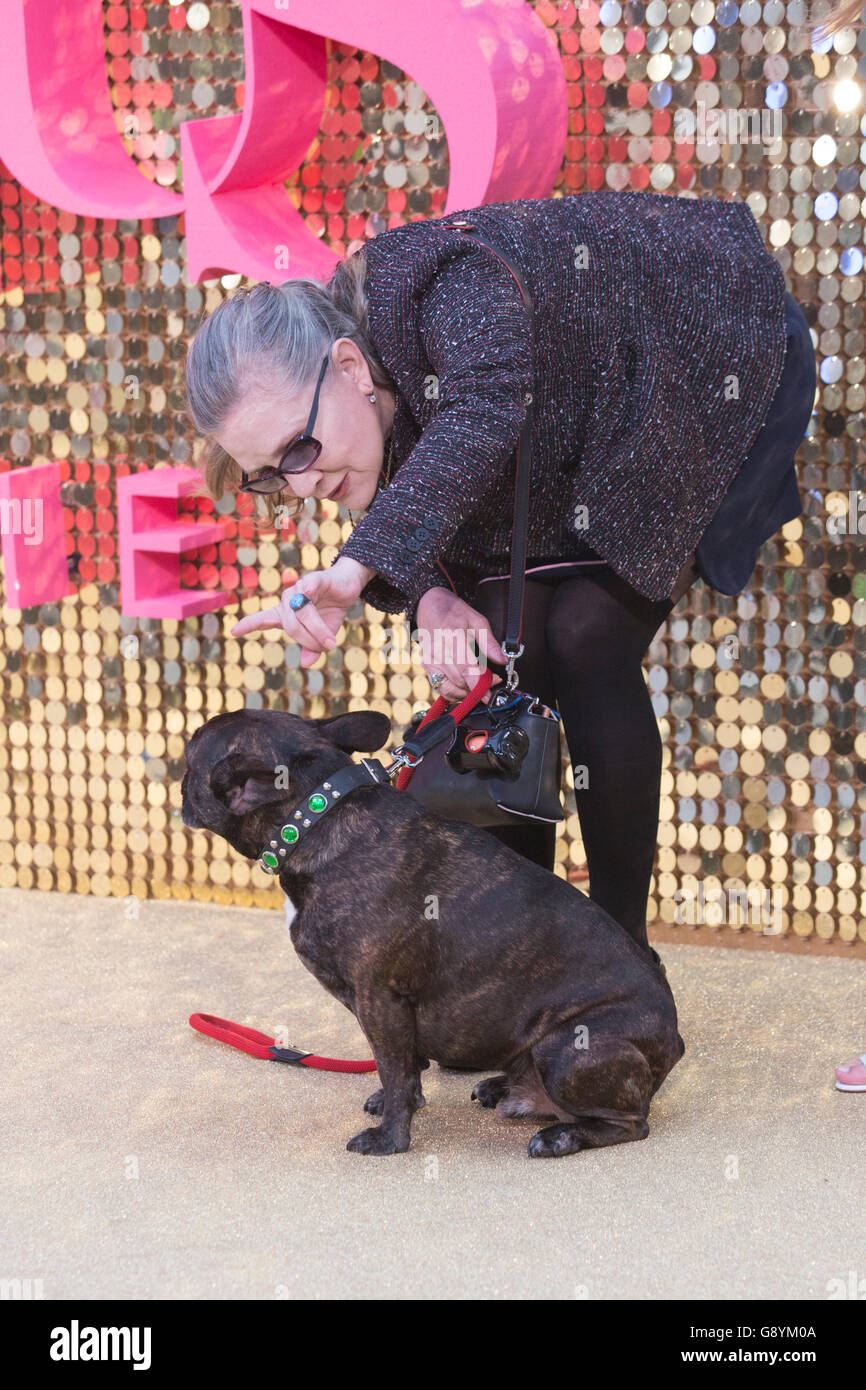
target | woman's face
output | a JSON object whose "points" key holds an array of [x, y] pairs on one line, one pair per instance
{"points": [[350, 427]]}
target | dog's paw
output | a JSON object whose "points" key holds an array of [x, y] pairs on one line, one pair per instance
{"points": [[491, 1091], [555, 1141], [375, 1141], [375, 1104]]}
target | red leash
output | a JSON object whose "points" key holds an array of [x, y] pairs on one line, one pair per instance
{"points": [[257, 1044], [260, 1045], [476, 694]]}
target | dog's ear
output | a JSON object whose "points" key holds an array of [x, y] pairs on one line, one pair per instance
{"points": [[243, 782], [361, 731]]}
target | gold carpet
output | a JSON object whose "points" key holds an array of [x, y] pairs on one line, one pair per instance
{"points": [[143, 1160]]}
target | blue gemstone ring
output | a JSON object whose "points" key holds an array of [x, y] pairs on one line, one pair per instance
{"points": [[298, 600]]}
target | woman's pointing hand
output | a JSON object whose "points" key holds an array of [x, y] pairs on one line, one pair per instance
{"points": [[314, 625]]}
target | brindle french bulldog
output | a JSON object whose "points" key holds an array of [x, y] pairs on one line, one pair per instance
{"points": [[443, 942]]}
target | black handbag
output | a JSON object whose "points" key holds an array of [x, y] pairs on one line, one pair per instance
{"points": [[500, 763]]}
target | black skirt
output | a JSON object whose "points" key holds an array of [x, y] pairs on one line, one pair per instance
{"points": [[765, 492]]}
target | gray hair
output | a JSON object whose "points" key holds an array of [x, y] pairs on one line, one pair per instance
{"points": [[271, 330], [841, 14]]}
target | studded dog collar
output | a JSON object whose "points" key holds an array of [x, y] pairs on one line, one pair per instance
{"points": [[317, 804]]}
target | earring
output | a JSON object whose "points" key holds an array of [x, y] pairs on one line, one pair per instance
{"points": [[373, 396]]}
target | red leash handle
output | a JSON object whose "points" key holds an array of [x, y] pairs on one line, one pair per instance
{"points": [[246, 1039], [257, 1044], [475, 696]]}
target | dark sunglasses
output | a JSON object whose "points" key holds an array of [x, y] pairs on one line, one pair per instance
{"points": [[300, 454]]}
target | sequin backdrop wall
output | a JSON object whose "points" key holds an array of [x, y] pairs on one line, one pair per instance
{"points": [[760, 697]]}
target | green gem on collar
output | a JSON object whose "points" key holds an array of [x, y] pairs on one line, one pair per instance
{"points": [[269, 860], [289, 833], [317, 802]]}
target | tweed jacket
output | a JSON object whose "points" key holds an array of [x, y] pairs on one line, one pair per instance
{"points": [[658, 342]]}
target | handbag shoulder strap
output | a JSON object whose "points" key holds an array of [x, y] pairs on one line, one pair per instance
{"points": [[511, 644]]}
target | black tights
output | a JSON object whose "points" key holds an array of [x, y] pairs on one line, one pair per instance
{"points": [[584, 642]]}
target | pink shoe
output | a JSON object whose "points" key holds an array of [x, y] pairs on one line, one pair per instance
{"points": [[852, 1076]]}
